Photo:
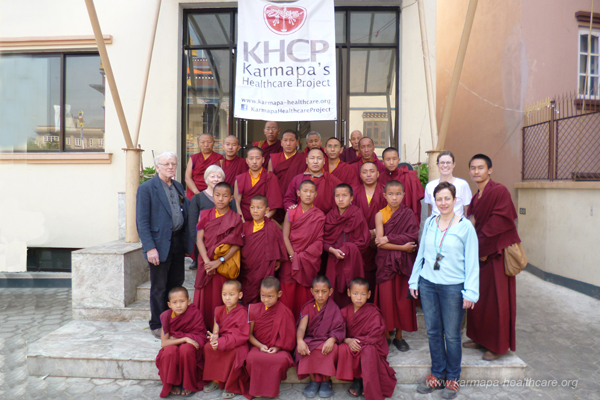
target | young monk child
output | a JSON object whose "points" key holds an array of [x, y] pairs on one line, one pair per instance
{"points": [[219, 239], [226, 351], [397, 232], [320, 329], [183, 335], [303, 238], [263, 251], [362, 356], [272, 337], [346, 236]]}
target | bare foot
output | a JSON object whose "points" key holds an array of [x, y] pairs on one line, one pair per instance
{"points": [[176, 391], [185, 392]]}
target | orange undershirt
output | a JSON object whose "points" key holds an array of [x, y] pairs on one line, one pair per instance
{"points": [[386, 213], [286, 156], [258, 227], [255, 180]]}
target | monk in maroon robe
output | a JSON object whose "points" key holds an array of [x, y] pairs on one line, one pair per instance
{"points": [[272, 336], [272, 144], [180, 360], [194, 172], [314, 141], [366, 358], [492, 323], [353, 151], [336, 167], [369, 198], [397, 233], [345, 237], [225, 354], [367, 153], [232, 164], [256, 181], [413, 189], [303, 237], [324, 182], [263, 251], [320, 322], [219, 228]]}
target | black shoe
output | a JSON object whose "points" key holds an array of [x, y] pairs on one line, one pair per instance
{"points": [[401, 345], [312, 389], [194, 265], [430, 384]]}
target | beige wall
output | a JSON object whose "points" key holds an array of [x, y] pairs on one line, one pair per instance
{"points": [[559, 231]]}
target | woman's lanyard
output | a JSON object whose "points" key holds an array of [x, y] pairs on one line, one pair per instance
{"points": [[438, 250]]}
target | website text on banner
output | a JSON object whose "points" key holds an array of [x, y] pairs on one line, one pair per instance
{"points": [[286, 61]]}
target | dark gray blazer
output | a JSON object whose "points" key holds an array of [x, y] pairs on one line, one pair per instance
{"points": [[153, 216]]}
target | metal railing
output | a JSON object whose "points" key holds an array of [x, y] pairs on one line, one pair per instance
{"points": [[561, 139]]}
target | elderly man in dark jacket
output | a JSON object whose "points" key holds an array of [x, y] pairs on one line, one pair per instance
{"points": [[161, 223]]}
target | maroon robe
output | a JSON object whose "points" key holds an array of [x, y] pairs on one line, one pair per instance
{"points": [[225, 229], [233, 168], [350, 234], [286, 169], [260, 253], [199, 165], [369, 211], [225, 365], [267, 185], [306, 237], [346, 174], [370, 362], [413, 188], [394, 268], [182, 364], [326, 184], [268, 149], [492, 322], [322, 325], [358, 162], [274, 328], [349, 154]]}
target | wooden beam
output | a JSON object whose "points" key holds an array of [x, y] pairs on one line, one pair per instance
{"points": [[51, 41], [428, 80]]}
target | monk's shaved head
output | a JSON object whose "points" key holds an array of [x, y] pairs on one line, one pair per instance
{"points": [[360, 282], [234, 282], [392, 184], [316, 149], [344, 186], [321, 279], [483, 157], [366, 138], [270, 282], [260, 197], [223, 185], [369, 162], [303, 183], [256, 149], [232, 137], [179, 289], [206, 135], [390, 149]]}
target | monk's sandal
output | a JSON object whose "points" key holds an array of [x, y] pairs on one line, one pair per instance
{"points": [[430, 384], [450, 390]]}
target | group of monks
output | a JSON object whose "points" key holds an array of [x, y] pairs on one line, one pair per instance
{"points": [[307, 224]]}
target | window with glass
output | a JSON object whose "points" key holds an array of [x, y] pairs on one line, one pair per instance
{"points": [[588, 64], [51, 102]]}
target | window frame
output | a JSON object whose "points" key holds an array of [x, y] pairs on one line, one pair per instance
{"points": [[594, 33], [62, 98]]}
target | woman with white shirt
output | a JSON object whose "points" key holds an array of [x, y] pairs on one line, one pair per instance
{"points": [[446, 277], [446, 164]]}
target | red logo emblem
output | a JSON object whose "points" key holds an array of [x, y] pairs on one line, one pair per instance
{"points": [[284, 20]]}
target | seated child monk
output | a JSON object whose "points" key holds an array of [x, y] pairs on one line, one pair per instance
{"points": [[346, 236], [180, 361], [320, 329], [272, 336], [219, 239], [263, 250], [362, 356], [226, 351], [397, 232], [303, 237]]}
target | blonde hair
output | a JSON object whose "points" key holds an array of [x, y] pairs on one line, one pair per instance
{"points": [[211, 170]]}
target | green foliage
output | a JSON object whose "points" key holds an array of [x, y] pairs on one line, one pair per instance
{"points": [[423, 172], [147, 173]]}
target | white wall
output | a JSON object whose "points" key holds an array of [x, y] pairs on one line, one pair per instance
{"points": [[66, 205]]}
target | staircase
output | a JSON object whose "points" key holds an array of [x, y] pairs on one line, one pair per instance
{"points": [[120, 346]]}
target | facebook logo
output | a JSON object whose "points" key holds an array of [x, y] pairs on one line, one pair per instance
{"points": [[244, 107]]}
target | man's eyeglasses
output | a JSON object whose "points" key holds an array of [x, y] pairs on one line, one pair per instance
{"points": [[438, 258]]}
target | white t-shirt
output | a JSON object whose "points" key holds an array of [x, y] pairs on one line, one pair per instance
{"points": [[463, 196]]}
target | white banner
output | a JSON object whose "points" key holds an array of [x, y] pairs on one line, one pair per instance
{"points": [[286, 61]]}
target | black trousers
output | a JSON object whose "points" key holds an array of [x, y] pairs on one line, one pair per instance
{"points": [[165, 276]]}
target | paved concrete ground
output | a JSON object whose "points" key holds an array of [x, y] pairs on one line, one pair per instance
{"points": [[558, 336]]}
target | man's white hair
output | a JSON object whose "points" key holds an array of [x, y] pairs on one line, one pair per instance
{"points": [[311, 133], [211, 170], [168, 154]]}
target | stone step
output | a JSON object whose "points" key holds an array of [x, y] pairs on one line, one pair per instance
{"points": [[136, 311], [127, 350]]}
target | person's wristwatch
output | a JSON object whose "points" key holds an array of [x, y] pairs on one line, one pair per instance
{"points": [[222, 259]]}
